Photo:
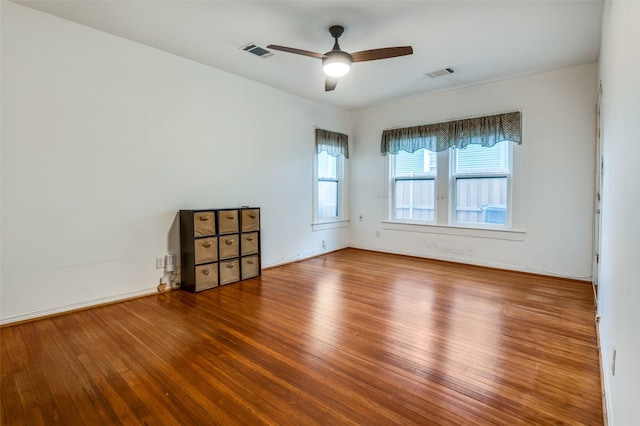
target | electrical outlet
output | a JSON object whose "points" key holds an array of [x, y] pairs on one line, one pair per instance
{"points": [[377, 233], [324, 245], [159, 262], [170, 262]]}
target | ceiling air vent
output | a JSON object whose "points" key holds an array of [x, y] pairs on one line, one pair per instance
{"points": [[440, 73], [256, 50]]}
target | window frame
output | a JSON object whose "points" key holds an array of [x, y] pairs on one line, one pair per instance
{"points": [[392, 191], [454, 175], [341, 199], [445, 197]]}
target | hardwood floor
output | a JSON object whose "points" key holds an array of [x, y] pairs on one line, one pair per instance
{"points": [[349, 338]]}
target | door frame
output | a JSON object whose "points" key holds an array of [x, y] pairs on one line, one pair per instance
{"points": [[599, 174]]}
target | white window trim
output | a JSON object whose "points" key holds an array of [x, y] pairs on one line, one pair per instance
{"points": [[453, 188], [341, 221], [496, 234], [445, 193], [389, 193], [391, 190], [323, 226]]}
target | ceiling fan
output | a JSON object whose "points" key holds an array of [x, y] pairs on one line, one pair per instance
{"points": [[337, 62]]}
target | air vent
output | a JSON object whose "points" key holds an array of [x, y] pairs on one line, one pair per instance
{"points": [[256, 50], [440, 73]]}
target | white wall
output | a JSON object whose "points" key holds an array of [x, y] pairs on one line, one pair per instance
{"points": [[103, 140], [619, 289], [558, 110]]}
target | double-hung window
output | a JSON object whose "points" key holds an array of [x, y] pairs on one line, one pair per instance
{"points": [[332, 150], [328, 186], [481, 178], [413, 185], [458, 173]]}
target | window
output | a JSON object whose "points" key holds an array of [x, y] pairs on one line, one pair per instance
{"points": [[328, 186], [332, 150], [414, 185], [460, 173], [476, 180], [481, 181]]}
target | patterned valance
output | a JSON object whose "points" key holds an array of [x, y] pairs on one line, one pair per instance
{"points": [[335, 144], [486, 131]]}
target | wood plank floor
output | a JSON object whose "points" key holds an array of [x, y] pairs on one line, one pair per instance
{"points": [[349, 338]]}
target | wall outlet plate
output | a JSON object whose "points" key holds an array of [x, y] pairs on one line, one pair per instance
{"points": [[159, 262], [170, 263]]}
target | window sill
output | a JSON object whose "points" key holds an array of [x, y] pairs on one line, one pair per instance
{"points": [[335, 224], [498, 234]]}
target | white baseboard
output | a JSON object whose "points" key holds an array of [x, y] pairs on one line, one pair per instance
{"points": [[75, 306], [496, 265], [604, 379], [266, 264], [145, 292]]}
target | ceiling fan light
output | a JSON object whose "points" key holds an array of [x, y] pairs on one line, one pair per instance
{"points": [[336, 63], [336, 69]]}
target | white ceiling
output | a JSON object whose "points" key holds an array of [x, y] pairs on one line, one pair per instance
{"points": [[481, 40]]}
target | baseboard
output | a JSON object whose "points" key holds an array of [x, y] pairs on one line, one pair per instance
{"points": [[266, 264], [466, 261], [57, 310], [604, 382]]}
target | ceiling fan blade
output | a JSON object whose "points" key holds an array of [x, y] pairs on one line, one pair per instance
{"points": [[296, 51], [384, 53], [330, 83]]}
